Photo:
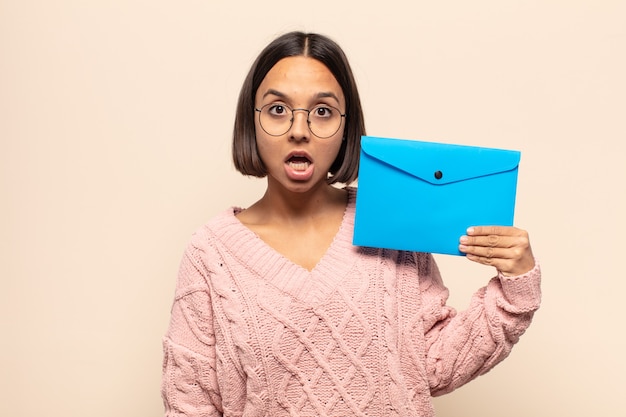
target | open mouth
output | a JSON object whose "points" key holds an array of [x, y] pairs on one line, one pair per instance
{"points": [[299, 162]]}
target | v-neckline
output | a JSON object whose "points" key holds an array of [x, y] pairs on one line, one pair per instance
{"points": [[312, 286]]}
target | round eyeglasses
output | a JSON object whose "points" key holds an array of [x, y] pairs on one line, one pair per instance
{"points": [[276, 119]]}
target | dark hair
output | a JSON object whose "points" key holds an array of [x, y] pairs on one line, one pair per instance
{"points": [[245, 155]]}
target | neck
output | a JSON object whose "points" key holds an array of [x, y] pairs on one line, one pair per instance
{"points": [[281, 203]]}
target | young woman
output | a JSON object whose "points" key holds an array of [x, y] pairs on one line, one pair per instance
{"points": [[276, 313]]}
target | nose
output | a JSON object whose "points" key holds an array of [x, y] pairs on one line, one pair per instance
{"points": [[300, 125]]}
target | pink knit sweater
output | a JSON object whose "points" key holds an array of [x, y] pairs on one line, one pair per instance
{"points": [[366, 333]]}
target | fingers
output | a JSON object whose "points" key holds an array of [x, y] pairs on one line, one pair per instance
{"points": [[506, 248], [495, 238], [496, 230]]}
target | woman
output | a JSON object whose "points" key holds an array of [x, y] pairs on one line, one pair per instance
{"points": [[277, 314]]}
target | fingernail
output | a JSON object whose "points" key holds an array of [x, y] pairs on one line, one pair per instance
{"points": [[464, 239], [470, 230]]}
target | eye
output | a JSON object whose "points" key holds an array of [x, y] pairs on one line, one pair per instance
{"points": [[322, 112], [277, 110]]}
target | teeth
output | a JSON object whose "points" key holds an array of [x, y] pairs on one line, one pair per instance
{"points": [[298, 166]]}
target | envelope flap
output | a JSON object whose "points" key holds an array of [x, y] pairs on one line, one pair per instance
{"points": [[439, 163]]}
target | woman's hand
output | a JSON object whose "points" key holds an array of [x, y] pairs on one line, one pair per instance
{"points": [[505, 248]]}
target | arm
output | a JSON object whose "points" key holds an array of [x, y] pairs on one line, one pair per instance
{"points": [[189, 385], [460, 347]]}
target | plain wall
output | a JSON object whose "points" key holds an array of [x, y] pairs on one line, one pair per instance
{"points": [[115, 127]]}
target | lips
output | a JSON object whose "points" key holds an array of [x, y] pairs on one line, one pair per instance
{"points": [[298, 161], [299, 166]]}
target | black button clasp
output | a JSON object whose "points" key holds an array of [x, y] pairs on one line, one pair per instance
{"points": [[438, 175]]}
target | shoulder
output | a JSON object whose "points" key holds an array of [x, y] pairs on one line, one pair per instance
{"points": [[221, 223], [206, 237], [224, 238], [202, 255]]}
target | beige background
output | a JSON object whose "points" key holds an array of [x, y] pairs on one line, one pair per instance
{"points": [[115, 122]]}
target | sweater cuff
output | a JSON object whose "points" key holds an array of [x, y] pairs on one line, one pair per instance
{"points": [[523, 291]]}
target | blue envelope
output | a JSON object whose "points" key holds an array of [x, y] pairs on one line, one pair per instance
{"points": [[422, 196]]}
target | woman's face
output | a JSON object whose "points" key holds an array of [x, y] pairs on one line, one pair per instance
{"points": [[297, 159]]}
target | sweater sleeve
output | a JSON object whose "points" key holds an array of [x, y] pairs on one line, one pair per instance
{"points": [[461, 346], [189, 382]]}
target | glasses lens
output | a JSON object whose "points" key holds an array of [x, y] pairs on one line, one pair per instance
{"points": [[324, 121], [275, 119]]}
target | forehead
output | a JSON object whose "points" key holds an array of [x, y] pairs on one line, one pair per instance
{"points": [[300, 78]]}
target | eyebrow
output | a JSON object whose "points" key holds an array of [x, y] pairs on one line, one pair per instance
{"points": [[322, 94]]}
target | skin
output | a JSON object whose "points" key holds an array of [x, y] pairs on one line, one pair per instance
{"points": [[505, 248], [300, 214], [298, 217]]}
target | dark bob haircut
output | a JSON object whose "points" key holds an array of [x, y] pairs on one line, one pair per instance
{"points": [[245, 154]]}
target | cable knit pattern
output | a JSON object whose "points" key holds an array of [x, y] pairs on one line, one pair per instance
{"points": [[366, 333]]}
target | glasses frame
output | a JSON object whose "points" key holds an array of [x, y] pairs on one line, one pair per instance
{"points": [[308, 118]]}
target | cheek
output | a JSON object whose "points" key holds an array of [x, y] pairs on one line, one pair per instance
{"points": [[332, 151], [340, 139], [263, 149], [262, 144], [269, 150]]}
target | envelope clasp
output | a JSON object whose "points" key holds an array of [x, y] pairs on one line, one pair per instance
{"points": [[426, 161]]}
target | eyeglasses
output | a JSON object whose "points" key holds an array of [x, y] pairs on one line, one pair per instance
{"points": [[276, 119]]}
